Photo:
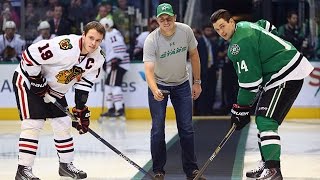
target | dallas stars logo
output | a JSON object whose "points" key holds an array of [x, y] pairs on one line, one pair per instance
{"points": [[165, 8], [235, 49]]}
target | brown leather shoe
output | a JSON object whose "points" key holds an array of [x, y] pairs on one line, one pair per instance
{"points": [[159, 176]]}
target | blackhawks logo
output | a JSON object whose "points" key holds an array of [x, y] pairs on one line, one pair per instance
{"points": [[65, 44], [65, 76], [235, 49]]}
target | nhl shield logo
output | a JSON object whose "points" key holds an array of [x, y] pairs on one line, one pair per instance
{"points": [[235, 49], [65, 44]]}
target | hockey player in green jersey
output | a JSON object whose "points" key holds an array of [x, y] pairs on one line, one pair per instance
{"points": [[262, 59]]}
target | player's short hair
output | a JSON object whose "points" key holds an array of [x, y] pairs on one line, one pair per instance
{"points": [[220, 13], [291, 12], [94, 25]]}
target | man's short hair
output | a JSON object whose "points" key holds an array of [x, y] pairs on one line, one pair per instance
{"points": [[220, 13]]}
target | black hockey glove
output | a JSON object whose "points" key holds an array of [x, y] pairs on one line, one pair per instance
{"points": [[38, 85], [83, 116], [240, 115], [115, 63]]}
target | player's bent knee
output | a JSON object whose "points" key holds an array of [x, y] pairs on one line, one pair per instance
{"points": [[32, 124], [31, 127], [61, 126]]}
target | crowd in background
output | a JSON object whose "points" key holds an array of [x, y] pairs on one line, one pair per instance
{"points": [[50, 18], [69, 17]]}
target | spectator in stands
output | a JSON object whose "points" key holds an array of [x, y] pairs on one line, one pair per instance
{"points": [[197, 33], [32, 18], [123, 21], [44, 32], [138, 48], [52, 3], [8, 14], [11, 45], [292, 32], [104, 10], [77, 16], [48, 15], [58, 24], [206, 49]]}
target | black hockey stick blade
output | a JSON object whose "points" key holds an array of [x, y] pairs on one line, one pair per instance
{"points": [[54, 101]]}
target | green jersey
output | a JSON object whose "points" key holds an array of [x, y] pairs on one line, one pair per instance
{"points": [[261, 58]]}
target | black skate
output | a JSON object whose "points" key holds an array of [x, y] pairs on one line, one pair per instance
{"points": [[271, 174], [68, 170], [110, 114], [255, 173], [120, 114], [25, 173]]}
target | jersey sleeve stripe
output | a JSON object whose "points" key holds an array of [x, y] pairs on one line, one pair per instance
{"points": [[251, 84], [251, 89], [87, 81], [25, 58], [86, 85], [268, 26], [30, 57]]}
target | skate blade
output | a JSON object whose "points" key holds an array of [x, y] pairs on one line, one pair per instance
{"points": [[122, 118], [112, 119]]}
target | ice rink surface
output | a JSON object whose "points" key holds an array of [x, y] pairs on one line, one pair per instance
{"points": [[300, 150]]}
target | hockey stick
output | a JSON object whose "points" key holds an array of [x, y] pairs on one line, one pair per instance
{"points": [[224, 140], [51, 99], [103, 92], [216, 151]]}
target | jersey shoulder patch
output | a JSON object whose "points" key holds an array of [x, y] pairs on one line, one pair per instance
{"points": [[65, 44], [234, 49]]}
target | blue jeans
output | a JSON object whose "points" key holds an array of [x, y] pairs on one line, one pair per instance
{"points": [[182, 103]]}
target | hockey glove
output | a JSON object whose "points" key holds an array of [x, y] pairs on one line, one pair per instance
{"points": [[240, 116], [115, 63], [83, 116], [38, 85]]}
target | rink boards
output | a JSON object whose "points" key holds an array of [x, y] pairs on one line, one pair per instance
{"points": [[135, 92]]}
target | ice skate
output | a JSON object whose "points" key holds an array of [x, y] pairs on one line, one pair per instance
{"points": [[255, 173], [25, 173], [108, 115], [271, 174], [68, 170], [120, 115]]}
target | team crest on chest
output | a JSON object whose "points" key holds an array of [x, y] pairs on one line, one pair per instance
{"points": [[65, 44], [65, 76], [235, 49]]}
